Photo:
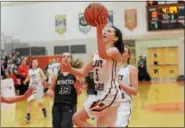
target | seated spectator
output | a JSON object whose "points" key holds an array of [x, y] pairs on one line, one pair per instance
{"points": [[10, 56], [11, 65], [2, 68], [18, 59]]}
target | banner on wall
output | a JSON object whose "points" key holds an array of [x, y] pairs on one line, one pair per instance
{"points": [[83, 26], [110, 18], [131, 19], [60, 24]]}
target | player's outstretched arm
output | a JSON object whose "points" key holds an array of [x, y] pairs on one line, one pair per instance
{"points": [[14, 99], [78, 72]]}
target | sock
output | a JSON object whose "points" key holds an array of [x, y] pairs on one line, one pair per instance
{"points": [[44, 112]]}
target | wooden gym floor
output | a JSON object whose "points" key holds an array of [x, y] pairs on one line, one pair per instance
{"points": [[156, 105]]}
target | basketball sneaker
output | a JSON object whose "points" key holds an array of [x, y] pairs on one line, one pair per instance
{"points": [[27, 119]]}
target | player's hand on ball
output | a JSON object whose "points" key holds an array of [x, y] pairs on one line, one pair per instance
{"points": [[101, 22], [66, 67], [50, 93]]}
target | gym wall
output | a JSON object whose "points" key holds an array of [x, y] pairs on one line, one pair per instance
{"points": [[36, 22]]}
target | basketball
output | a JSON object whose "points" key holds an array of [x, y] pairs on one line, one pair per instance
{"points": [[93, 12]]}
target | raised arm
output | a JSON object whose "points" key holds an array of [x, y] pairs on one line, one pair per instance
{"points": [[112, 53], [84, 70], [79, 72]]}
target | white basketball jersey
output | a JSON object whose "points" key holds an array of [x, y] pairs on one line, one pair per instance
{"points": [[124, 75], [105, 73], [35, 78], [56, 68], [50, 69]]}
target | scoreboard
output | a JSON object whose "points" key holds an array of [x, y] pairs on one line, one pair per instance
{"points": [[166, 16]]}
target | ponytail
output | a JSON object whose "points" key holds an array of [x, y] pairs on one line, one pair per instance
{"points": [[119, 44]]}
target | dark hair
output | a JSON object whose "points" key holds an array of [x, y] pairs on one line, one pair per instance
{"points": [[119, 44]]}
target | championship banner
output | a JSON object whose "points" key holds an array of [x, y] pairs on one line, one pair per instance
{"points": [[60, 24], [110, 18], [83, 26], [131, 19]]}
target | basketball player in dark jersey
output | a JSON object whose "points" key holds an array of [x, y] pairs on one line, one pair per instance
{"points": [[63, 89]]}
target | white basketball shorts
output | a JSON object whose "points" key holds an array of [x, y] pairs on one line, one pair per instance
{"points": [[124, 114]]}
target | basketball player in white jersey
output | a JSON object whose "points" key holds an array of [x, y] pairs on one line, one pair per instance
{"points": [[128, 81], [105, 65], [56, 66], [49, 71], [36, 79]]}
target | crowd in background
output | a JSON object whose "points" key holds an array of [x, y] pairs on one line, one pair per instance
{"points": [[16, 67]]}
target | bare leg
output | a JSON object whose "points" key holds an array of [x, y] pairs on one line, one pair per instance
{"points": [[28, 111], [29, 106], [41, 105], [109, 119], [80, 118]]}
